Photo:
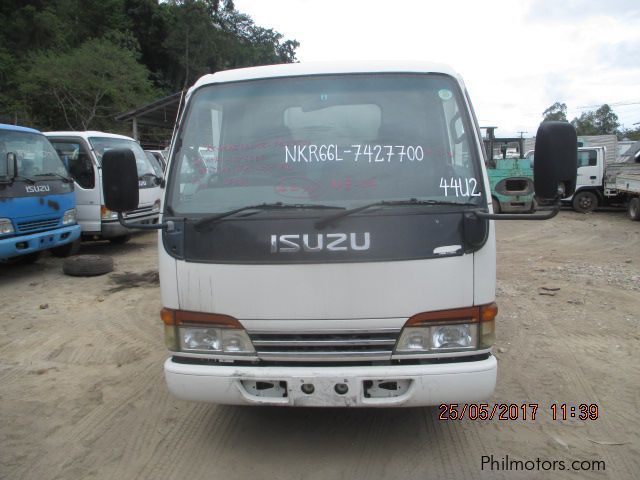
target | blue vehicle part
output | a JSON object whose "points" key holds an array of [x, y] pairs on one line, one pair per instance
{"points": [[35, 203], [42, 231], [24, 244]]}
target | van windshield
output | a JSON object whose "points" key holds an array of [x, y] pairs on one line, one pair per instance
{"points": [[102, 144], [341, 140], [34, 154]]}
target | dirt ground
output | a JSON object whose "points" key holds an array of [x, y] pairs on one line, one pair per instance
{"points": [[82, 393]]}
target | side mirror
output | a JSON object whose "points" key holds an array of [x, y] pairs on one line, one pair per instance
{"points": [[12, 165], [556, 164], [120, 180]]}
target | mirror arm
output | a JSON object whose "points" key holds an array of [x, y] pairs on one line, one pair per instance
{"points": [[519, 216], [167, 226]]}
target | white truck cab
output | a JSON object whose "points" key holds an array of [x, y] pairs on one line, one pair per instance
{"points": [[597, 182], [82, 154], [327, 238]]}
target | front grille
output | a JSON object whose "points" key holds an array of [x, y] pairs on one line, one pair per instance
{"points": [[335, 346], [139, 211], [38, 225]]}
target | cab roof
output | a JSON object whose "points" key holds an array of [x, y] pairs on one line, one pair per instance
{"points": [[323, 68], [86, 134], [16, 128]]}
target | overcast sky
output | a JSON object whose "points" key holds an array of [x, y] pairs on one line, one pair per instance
{"points": [[517, 57]]}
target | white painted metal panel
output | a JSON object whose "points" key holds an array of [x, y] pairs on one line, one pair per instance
{"points": [[327, 291], [168, 277]]}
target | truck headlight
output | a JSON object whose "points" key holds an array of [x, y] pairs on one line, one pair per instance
{"points": [[106, 214], [441, 338], [196, 332], [6, 227], [198, 339], [454, 337], [70, 217], [449, 330], [156, 206]]}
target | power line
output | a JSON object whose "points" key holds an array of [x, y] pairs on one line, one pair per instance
{"points": [[616, 104]]}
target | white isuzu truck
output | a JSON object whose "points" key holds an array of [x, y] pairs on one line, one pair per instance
{"points": [[327, 236]]}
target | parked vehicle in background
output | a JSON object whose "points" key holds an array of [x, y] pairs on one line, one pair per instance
{"points": [[82, 152], [628, 185], [597, 183], [334, 247], [157, 164], [160, 156], [37, 201], [510, 174]]}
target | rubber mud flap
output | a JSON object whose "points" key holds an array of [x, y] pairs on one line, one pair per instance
{"points": [[87, 265]]}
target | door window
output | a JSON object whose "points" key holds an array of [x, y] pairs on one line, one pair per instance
{"points": [[588, 158], [77, 161]]}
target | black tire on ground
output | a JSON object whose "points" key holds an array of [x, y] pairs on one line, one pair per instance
{"points": [[67, 250], [87, 265], [634, 209], [120, 240], [585, 202], [496, 205]]}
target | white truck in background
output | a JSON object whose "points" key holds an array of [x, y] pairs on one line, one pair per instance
{"points": [[327, 236], [597, 183]]}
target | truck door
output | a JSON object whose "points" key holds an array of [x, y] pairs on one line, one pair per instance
{"points": [[82, 169], [589, 172]]}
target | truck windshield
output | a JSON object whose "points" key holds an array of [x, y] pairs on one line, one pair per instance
{"points": [[342, 140], [102, 144], [35, 155]]}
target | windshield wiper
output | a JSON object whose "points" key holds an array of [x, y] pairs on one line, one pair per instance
{"points": [[205, 222], [29, 180], [320, 224], [53, 174]]}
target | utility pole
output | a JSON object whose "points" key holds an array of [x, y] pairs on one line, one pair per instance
{"points": [[522, 133]]}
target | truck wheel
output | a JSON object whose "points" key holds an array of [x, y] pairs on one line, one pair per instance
{"points": [[634, 209], [67, 250], [87, 265], [496, 205], [585, 202], [120, 240]]}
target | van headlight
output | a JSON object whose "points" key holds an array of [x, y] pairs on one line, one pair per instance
{"points": [[6, 227], [70, 217]]}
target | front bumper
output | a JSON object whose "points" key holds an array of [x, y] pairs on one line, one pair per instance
{"points": [[113, 228], [418, 385], [25, 244]]}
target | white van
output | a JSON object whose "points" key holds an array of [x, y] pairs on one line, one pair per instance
{"points": [[82, 153], [327, 236]]}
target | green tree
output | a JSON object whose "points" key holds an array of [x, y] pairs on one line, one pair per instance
{"points": [[631, 134], [556, 112], [172, 41], [85, 88], [602, 121], [205, 36]]}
